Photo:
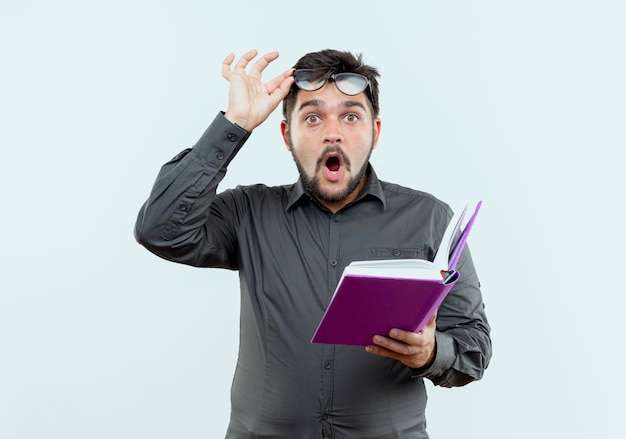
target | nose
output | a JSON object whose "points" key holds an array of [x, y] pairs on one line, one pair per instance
{"points": [[333, 132]]}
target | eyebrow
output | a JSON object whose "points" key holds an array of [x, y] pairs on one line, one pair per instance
{"points": [[320, 103]]}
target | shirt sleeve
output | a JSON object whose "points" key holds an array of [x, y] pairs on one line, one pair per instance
{"points": [[174, 221], [463, 340]]}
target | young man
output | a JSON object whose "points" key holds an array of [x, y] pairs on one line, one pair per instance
{"points": [[291, 243]]}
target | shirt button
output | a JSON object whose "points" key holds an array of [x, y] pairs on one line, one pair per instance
{"points": [[183, 207], [335, 218], [396, 252], [324, 416], [333, 262], [328, 365], [232, 137], [219, 155]]}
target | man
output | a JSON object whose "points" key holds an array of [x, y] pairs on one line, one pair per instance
{"points": [[291, 243]]}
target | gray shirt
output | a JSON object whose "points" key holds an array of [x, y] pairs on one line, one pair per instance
{"points": [[290, 252]]}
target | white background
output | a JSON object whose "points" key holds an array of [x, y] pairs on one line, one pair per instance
{"points": [[520, 103]]}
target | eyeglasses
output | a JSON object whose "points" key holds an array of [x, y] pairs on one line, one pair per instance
{"points": [[350, 84]]}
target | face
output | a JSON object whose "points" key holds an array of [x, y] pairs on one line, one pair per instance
{"points": [[331, 136]]}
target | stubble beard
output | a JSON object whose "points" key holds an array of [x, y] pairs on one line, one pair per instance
{"points": [[312, 183]]}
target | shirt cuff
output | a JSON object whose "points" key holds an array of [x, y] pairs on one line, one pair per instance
{"points": [[221, 141], [444, 357]]}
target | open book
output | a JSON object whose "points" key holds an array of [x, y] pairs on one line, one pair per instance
{"points": [[373, 297]]}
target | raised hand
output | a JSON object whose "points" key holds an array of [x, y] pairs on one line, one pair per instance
{"points": [[250, 101]]}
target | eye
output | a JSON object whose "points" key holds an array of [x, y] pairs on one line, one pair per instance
{"points": [[351, 117], [312, 119]]}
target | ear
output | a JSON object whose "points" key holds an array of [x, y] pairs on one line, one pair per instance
{"points": [[284, 131], [376, 132]]}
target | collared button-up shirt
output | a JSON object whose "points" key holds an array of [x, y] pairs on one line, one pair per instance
{"points": [[290, 252]]}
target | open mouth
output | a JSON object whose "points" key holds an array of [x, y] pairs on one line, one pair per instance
{"points": [[333, 163]]}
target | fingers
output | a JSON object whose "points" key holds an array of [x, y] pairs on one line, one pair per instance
{"points": [[401, 342], [408, 338], [241, 65], [412, 349], [391, 349], [226, 65], [281, 84], [262, 63]]}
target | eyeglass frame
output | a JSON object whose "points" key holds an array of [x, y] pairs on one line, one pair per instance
{"points": [[333, 78]]}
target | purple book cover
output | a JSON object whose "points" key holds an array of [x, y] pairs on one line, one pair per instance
{"points": [[369, 306]]}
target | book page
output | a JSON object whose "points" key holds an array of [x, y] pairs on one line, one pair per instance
{"points": [[452, 231], [455, 236], [459, 242], [387, 263], [406, 271]]}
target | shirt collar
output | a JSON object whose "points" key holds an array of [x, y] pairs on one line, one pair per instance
{"points": [[372, 188]]}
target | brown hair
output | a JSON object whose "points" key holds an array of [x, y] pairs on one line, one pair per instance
{"points": [[328, 62]]}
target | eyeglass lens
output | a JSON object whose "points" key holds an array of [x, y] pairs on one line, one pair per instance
{"points": [[348, 83]]}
